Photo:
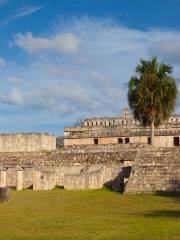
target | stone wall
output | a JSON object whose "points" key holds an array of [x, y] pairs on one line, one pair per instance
{"points": [[73, 177], [87, 167], [164, 135], [29, 142], [74, 167], [86, 155], [93, 177], [155, 169]]}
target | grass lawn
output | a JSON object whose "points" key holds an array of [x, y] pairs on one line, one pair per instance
{"points": [[94, 214]]}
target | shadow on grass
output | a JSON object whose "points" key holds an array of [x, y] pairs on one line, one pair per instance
{"points": [[164, 213], [172, 192]]}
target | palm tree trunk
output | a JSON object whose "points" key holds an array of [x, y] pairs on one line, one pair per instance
{"points": [[152, 133]]}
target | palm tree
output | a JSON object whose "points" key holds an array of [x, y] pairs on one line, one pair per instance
{"points": [[152, 93]]}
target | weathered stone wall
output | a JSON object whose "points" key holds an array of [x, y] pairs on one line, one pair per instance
{"points": [[74, 167], [86, 155], [29, 142], [73, 177], [155, 169], [164, 134], [108, 130], [93, 177]]}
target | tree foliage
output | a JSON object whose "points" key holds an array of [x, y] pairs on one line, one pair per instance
{"points": [[152, 92]]}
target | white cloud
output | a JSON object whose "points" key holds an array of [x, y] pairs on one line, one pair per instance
{"points": [[94, 80], [2, 62], [107, 86], [19, 13], [63, 43], [26, 11], [59, 87], [169, 49], [13, 97], [14, 81], [57, 98]]}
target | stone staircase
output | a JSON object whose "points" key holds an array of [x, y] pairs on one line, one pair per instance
{"points": [[155, 170]]}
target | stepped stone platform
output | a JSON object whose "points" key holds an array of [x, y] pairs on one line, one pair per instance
{"points": [[134, 168], [155, 170], [86, 155]]}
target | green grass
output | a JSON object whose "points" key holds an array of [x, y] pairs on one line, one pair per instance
{"points": [[85, 215]]}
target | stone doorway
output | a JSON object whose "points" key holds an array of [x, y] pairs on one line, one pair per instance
{"points": [[176, 141]]}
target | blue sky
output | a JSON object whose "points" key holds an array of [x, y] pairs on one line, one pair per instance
{"points": [[64, 59]]}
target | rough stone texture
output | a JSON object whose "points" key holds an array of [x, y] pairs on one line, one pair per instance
{"points": [[92, 178], [155, 170], [44, 179], [5, 193], [86, 155], [21, 142], [164, 135], [2, 177], [109, 130], [19, 178], [68, 167]]}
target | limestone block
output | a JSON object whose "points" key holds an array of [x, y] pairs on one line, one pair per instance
{"points": [[44, 179], [2, 177], [75, 181], [19, 178]]}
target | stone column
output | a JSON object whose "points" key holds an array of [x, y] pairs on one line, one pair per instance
{"points": [[19, 178], [2, 177], [36, 179]]}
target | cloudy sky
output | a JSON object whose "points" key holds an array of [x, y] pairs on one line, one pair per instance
{"points": [[65, 59]]}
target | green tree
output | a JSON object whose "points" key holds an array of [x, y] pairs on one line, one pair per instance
{"points": [[152, 93]]}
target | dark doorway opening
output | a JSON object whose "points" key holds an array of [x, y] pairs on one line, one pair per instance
{"points": [[149, 140], [120, 140], [95, 141], [176, 141], [126, 140]]}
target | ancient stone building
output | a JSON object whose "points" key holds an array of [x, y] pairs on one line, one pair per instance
{"points": [[135, 168], [111, 152], [122, 130], [27, 142]]}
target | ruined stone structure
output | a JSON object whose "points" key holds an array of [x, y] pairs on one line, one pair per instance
{"points": [[112, 152], [155, 170], [122, 130], [27, 142], [71, 168], [134, 167]]}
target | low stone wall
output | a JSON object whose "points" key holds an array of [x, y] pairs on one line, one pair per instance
{"points": [[86, 155], [92, 178], [89, 167], [74, 177], [22, 142], [79, 168]]}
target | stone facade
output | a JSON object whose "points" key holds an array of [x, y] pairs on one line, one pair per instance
{"points": [[155, 170], [135, 167], [71, 168], [123, 130], [21, 142]]}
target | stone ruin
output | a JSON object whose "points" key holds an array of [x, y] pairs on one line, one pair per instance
{"points": [[69, 168], [121, 130], [132, 168], [110, 152], [27, 142]]}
